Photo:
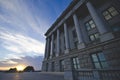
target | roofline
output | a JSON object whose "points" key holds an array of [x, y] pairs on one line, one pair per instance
{"points": [[71, 5]]}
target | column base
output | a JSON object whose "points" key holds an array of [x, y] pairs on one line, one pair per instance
{"points": [[106, 37], [81, 45], [66, 51], [57, 54]]}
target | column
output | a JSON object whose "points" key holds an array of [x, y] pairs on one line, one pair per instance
{"points": [[58, 42], [45, 54], [52, 46], [48, 49], [79, 35], [67, 47], [100, 24]]}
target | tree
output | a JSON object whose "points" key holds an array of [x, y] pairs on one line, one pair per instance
{"points": [[12, 70], [29, 69]]}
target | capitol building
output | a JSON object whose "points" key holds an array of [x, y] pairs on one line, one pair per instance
{"points": [[85, 37]]}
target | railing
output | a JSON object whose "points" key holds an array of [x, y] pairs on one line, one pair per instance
{"points": [[93, 74]]}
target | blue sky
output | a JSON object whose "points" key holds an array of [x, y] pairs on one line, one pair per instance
{"points": [[22, 27]]}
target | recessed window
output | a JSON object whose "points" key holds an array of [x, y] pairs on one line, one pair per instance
{"points": [[90, 25], [99, 60], [53, 66], [76, 63], [74, 33], [47, 66], [62, 64], [110, 13], [76, 44], [94, 37]]}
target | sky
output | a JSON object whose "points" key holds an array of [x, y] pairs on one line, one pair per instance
{"points": [[23, 24]]}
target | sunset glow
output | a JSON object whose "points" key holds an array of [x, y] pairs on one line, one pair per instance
{"points": [[20, 67], [4, 68]]}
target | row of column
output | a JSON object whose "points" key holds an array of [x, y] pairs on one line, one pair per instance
{"points": [[100, 26]]}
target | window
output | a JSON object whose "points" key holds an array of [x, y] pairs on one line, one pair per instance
{"points": [[76, 64], [74, 33], [99, 60], [90, 25], [76, 44], [94, 37], [46, 66], [62, 64], [53, 66], [109, 13]]}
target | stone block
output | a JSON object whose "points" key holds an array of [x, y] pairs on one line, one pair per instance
{"points": [[106, 37], [81, 45], [68, 75]]}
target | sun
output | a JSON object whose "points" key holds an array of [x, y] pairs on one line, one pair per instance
{"points": [[20, 67]]}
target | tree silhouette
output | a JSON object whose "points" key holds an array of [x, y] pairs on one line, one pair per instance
{"points": [[29, 69], [12, 70]]}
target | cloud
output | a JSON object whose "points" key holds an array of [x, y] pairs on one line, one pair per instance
{"points": [[21, 44], [9, 62]]}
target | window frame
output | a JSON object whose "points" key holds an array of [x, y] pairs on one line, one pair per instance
{"points": [[95, 38], [76, 64], [99, 61], [90, 25], [109, 13]]}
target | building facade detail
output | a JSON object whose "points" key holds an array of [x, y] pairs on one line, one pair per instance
{"points": [[85, 36], [100, 24]]}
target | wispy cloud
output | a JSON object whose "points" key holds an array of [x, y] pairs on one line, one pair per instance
{"points": [[20, 17], [19, 43], [22, 50], [9, 62]]}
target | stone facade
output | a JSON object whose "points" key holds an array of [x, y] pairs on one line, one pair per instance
{"points": [[85, 36]]}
